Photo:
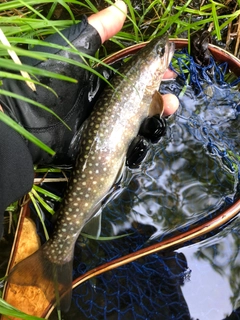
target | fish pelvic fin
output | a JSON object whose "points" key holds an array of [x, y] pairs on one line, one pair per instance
{"points": [[55, 280]]}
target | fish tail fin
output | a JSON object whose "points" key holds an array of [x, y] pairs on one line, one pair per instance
{"points": [[55, 280]]}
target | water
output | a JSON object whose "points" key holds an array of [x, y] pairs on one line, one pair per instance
{"points": [[200, 281], [214, 282], [193, 172]]}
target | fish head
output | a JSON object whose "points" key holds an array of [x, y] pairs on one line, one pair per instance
{"points": [[157, 56], [165, 50]]}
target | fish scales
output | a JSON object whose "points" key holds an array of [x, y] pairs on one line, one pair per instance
{"points": [[105, 139]]}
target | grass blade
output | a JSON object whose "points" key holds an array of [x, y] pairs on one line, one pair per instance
{"points": [[47, 193], [8, 310], [11, 123], [215, 21], [36, 206]]}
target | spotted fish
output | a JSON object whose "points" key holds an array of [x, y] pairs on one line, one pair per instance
{"points": [[105, 139]]}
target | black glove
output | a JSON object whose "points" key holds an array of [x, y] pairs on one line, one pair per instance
{"points": [[73, 104]]}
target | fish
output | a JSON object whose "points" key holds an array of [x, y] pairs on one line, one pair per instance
{"points": [[105, 138]]}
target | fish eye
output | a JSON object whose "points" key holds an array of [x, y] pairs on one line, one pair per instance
{"points": [[160, 50]]}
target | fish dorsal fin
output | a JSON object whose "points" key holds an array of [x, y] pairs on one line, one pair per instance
{"points": [[156, 106]]}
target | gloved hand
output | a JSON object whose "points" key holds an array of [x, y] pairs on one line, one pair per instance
{"points": [[73, 104], [73, 101]]}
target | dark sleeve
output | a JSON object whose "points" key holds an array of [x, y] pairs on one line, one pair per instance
{"points": [[16, 168], [73, 102]]}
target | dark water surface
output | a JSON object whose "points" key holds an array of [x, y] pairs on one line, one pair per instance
{"points": [[200, 281]]}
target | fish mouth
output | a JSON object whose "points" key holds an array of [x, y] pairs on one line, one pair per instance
{"points": [[171, 50]]}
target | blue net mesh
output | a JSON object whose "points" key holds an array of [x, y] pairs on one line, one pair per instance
{"points": [[139, 290]]}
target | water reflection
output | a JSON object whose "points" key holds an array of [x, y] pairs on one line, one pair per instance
{"points": [[192, 173], [213, 291], [197, 282]]}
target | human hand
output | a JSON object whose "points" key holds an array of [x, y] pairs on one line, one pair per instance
{"points": [[110, 21]]}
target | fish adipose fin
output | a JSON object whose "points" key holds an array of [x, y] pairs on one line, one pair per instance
{"points": [[55, 280]]}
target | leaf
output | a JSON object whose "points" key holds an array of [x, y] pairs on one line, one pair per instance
{"points": [[47, 193], [8, 310], [16, 59], [6, 119]]}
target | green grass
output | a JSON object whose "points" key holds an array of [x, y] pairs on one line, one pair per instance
{"points": [[25, 25], [23, 22], [8, 310]]}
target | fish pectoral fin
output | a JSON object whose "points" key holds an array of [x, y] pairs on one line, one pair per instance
{"points": [[156, 106], [55, 280]]}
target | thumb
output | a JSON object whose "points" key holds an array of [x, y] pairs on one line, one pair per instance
{"points": [[110, 20]]}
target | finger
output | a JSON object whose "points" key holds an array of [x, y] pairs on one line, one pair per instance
{"points": [[170, 104], [169, 74], [110, 20]]}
